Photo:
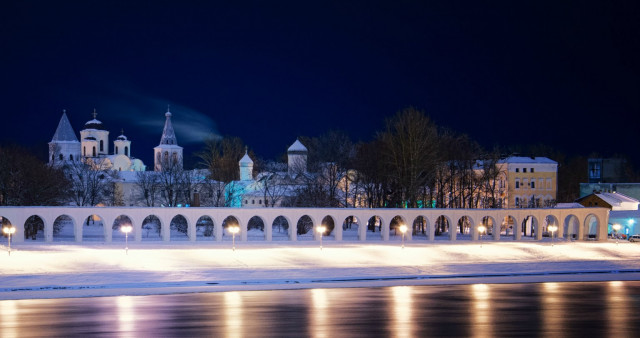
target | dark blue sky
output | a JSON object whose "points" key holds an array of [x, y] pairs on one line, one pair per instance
{"points": [[558, 72]]}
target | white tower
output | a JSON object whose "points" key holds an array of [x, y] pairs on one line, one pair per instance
{"points": [[297, 158], [94, 138], [246, 167], [168, 152], [64, 145], [122, 146]]}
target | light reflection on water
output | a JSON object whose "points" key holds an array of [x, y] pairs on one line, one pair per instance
{"points": [[480, 310]]}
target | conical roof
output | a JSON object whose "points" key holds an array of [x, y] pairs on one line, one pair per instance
{"points": [[246, 159], [297, 146], [168, 135], [64, 132]]}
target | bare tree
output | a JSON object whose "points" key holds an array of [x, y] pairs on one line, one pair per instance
{"points": [[148, 186], [410, 152], [91, 183]]}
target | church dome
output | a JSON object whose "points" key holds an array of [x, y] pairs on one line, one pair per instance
{"points": [[121, 138], [94, 124]]}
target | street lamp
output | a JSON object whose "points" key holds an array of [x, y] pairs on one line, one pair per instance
{"points": [[234, 229], [616, 227], [552, 228], [126, 229], [321, 229], [481, 229], [9, 230], [403, 229]]}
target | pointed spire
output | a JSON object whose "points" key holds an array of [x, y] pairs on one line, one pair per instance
{"points": [[168, 134], [64, 132]]}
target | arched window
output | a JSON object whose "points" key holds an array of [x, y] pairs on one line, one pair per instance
{"points": [[53, 157], [94, 151], [84, 151], [116, 150], [126, 151], [101, 145], [71, 157]]}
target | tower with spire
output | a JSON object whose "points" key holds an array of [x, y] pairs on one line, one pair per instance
{"points": [[168, 153], [64, 145]]}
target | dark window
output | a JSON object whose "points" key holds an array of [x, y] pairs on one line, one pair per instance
{"points": [[101, 145], [533, 184], [531, 169], [524, 170], [517, 170], [116, 150], [71, 157], [517, 184], [61, 158], [94, 151], [126, 151]]}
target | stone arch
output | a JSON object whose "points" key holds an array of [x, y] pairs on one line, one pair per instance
{"points": [[350, 228], [205, 228], [530, 226], [394, 226], [465, 225], [443, 225], [330, 224], [93, 228], [305, 228], [491, 226], [591, 227], [64, 228], [34, 228], [420, 228], [226, 223], [509, 226], [117, 235], [281, 223], [550, 220], [374, 224], [570, 227], [151, 228], [179, 228], [255, 228]]}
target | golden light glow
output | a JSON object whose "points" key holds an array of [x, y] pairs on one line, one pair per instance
{"points": [[403, 228]]}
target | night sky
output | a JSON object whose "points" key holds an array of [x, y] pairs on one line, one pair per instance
{"points": [[559, 72]]}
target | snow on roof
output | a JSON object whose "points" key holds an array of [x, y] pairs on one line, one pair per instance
{"points": [[246, 158], [524, 159], [617, 200], [569, 205], [64, 132], [297, 146]]}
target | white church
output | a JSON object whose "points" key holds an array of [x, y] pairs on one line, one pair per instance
{"points": [[93, 147]]}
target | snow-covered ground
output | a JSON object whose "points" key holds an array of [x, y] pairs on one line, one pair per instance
{"points": [[45, 270]]}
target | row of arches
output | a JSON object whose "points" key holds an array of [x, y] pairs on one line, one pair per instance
{"points": [[179, 227]]}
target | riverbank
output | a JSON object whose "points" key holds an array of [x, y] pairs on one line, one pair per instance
{"points": [[39, 270]]}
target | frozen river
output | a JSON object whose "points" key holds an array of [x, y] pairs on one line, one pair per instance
{"points": [[591, 309]]}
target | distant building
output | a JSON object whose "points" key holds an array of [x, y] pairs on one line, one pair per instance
{"points": [[613, 201], [531, 181], [606, 170], [93, 146]]}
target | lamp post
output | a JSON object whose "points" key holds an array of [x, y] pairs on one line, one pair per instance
{"points": [[481, 229], [403, 230], [9, 230], [616, 227], [553, 229], [321, 229], [126, 229], [234, 229]]}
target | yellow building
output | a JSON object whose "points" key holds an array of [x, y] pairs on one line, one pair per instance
{"points": [[531, 181]]}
